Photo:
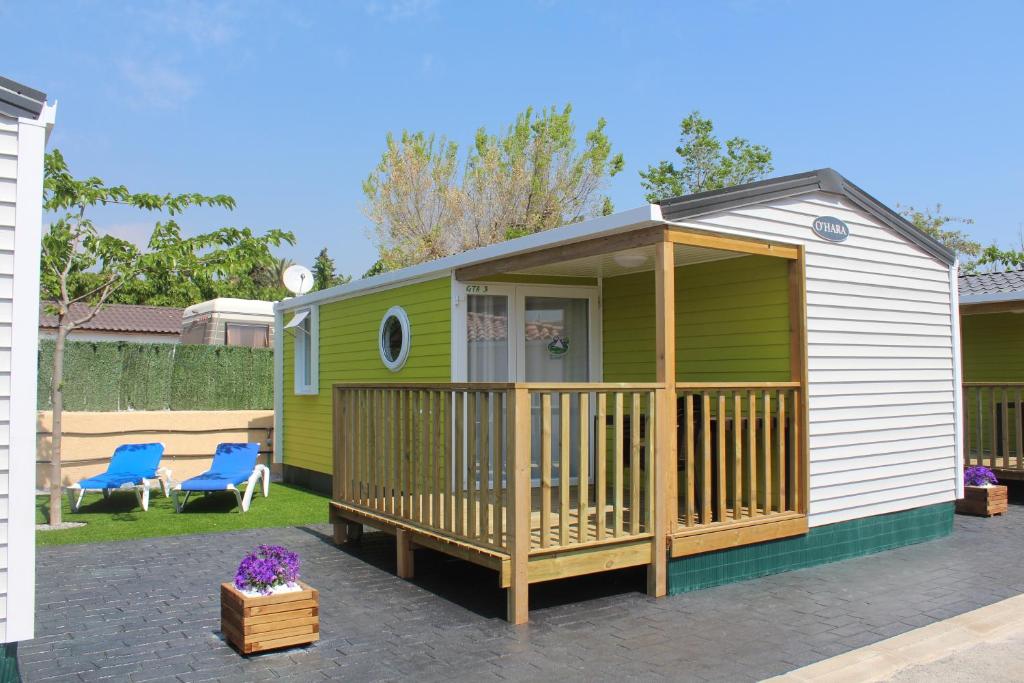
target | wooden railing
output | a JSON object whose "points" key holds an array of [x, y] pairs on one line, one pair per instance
{"points": [[435, 456], [439, 457], [993, 418], [739, 452], [530, 469], [591, 448]]}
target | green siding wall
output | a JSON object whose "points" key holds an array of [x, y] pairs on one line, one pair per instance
{"points": [[732, 322], [348, 353], [820, 545], [993, 347]]}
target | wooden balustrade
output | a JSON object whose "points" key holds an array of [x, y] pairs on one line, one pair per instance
{"points": [[524, 470], [993, 418], [434, 456], [738, 452], [592, 465]]}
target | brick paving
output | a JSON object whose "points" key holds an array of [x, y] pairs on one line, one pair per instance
{"points": [[149, 611]]}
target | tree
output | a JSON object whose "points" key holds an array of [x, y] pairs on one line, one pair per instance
{"points": [[995, 259], [703, 163], [323, 272], [530, 178], [75, 252], [933, 222]]}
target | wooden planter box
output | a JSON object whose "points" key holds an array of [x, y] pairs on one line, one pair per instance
{"points": [[269, 622], [983, 500]]}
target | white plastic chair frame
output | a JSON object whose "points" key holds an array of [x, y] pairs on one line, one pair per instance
{"points": [[260, 472], [161, 481]]}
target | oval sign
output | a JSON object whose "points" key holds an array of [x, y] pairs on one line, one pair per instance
{"points": [[830, 228]]}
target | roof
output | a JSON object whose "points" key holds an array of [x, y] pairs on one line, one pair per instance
{"points": [[20, 100], [122, 318], [979, 288], [229, 305], [821, 180], [667, 210]]}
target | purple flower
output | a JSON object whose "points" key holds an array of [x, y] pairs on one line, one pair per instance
{"points": [[979, 475], [267, 567]]}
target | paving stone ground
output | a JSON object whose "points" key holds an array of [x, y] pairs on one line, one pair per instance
{"points": [[149, 611]]}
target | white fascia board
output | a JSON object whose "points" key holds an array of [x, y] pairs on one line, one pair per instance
{"points": [[278, 390], [602, 226], [21, 541], [993, 298], [958, 386]]}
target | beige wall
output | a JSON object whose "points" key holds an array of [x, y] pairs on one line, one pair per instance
{"points": [[189, 437]]}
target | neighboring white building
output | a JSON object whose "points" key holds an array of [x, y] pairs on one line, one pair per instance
{"points": [[229, 322], [25, 123]]}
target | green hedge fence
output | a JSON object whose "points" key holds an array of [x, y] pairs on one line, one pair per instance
{"points": [[111, 376]]}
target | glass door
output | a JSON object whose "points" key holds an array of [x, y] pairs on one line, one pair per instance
{"points": [[487, 349], [556, 347]]}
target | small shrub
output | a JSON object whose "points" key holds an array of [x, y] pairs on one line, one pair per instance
{"points": [[979, 475]]}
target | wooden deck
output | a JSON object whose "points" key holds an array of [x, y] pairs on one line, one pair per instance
{"points": [[475, 471]]}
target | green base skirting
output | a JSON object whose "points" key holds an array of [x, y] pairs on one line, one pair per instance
{"points": [[9, 663], [820, 545]]}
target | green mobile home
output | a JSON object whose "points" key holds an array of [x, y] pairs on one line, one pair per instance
{"points": [[716, 386], [992, 332]]}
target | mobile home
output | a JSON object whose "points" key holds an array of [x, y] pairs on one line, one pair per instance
{"points": [[717, 386], [992, 329]]}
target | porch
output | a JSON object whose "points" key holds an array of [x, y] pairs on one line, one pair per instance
{"points": [[994, 427], [542, 480]]}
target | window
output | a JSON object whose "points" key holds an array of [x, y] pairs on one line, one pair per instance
{"points": [[306, 331], [253, 336], [394, 338], [195, 333]]}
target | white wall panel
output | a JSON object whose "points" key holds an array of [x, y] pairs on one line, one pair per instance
{"points": [[880, 358]]}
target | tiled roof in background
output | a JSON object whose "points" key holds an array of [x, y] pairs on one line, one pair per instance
{"points": [[992, 283], [122, 318]]}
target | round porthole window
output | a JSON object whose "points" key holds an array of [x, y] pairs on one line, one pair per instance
{"points": [[394, 338]]}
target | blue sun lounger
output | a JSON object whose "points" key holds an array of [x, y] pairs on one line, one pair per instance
{"points": [[133, 467], [233, 464]]}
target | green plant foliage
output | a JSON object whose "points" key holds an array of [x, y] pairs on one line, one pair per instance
{"points": [[111, 376], [933, 222], [703, 164]]}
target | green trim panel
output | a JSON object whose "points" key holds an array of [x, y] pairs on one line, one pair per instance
{"points": [[349, 353], [820, 545], [732, 322]]}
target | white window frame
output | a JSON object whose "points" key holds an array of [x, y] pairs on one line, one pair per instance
{"points": [[403, 354], [301, 388], [517, 294]]}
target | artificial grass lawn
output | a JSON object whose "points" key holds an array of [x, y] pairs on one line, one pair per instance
{"points": [[120, 518]]}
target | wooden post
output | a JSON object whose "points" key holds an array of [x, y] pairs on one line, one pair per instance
{"points": [[519, 501], [665, 420], [801, 484], [403, 550]]}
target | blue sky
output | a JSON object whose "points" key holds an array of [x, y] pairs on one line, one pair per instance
{"points": [[286, 105]]}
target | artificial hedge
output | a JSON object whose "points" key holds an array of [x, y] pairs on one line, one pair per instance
{"points": [[110, 376]]}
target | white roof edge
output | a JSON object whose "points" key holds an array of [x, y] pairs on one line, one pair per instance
{"points": [[631, 219], [994, 297], [230, 305]]}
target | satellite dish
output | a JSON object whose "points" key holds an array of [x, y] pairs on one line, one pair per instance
{"points": [[297, 279]]}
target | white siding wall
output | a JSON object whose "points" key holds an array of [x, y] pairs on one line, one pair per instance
{"points": [[21, 186], [880, 359], [8, 197]]}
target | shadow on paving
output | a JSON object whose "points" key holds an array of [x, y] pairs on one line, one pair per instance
{"points": [[475, 588], [148, 610]]}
